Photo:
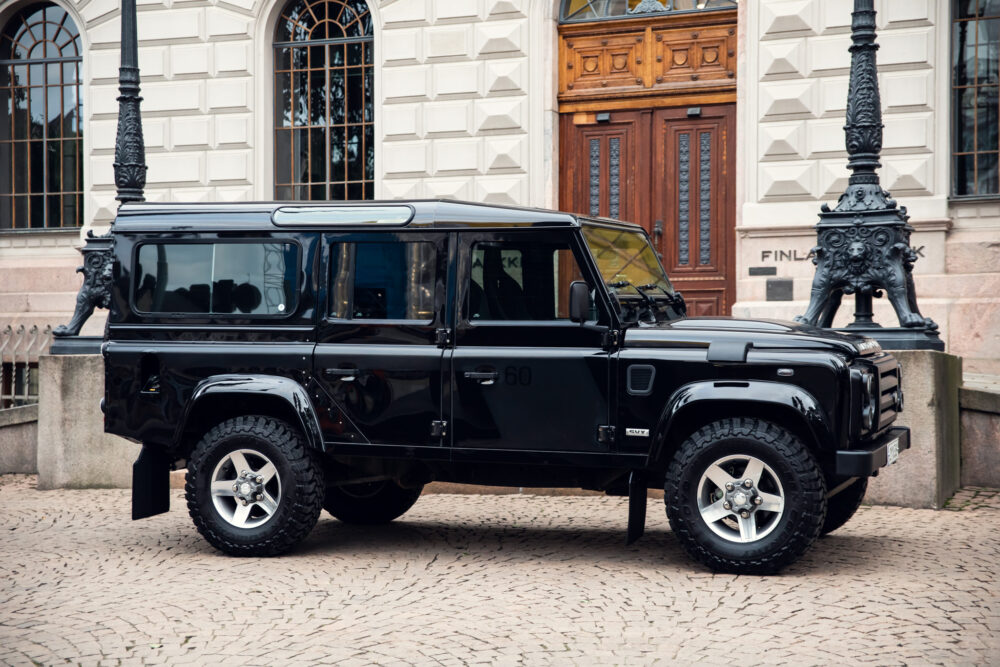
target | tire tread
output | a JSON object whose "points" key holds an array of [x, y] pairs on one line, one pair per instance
{"points": [[799, 458], [307, 475]]}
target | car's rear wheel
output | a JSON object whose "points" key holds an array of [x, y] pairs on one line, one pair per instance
{"points": [[745, 496], [841, 507], [253, 488], [370, 503]]}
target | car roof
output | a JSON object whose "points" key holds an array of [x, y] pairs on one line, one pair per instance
{"points": [[428, 213]]}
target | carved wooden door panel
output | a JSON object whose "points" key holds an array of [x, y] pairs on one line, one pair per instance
{"points": [[604, 168], [671, 172], [693, 203]]}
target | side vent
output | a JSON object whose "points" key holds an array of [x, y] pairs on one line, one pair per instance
{"points": [[639, 379]]}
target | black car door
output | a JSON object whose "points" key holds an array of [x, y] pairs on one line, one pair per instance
{"points": [[376, 354], [525, 377]]}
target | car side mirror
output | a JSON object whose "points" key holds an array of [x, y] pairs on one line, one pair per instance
{"points": [[579, 301]]}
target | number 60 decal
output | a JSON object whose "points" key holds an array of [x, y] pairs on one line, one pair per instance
{"points": [[517, 375]]}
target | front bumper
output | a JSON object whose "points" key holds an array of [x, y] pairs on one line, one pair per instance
{"points": [[871, 456]]}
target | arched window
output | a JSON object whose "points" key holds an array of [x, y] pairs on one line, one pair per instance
{"points": [[41, 136], [324, 138], [595, 10]]}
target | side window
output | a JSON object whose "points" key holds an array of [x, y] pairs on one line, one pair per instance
{"points": [[391, 280], [216, 278], [520, 281]]}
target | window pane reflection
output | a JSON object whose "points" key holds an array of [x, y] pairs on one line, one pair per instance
{"points": [[326, 89], [220, 278], [40, 108]]}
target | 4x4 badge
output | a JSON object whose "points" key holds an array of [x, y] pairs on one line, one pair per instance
{"points": [[637, 432]]}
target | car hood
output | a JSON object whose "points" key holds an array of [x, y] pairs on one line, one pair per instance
{"points": [[759, 334]]}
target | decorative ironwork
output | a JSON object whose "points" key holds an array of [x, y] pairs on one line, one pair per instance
{"points": [[130, 150], [705, 200], [683, 198], [863, 245], [650, 6], [324, 133], [41, 134], [130, 180], [19, 352], [595, 177], [96, 289], [597, 10], [614, 177]]}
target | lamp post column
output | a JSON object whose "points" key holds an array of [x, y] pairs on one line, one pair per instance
{"points": [[130, 150], [130, 180], [863, 245]]}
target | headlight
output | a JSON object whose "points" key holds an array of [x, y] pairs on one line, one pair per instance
{"points": [[869, 401]]}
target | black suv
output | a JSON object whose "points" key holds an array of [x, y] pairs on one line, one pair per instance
{"points": [[300, 356]]}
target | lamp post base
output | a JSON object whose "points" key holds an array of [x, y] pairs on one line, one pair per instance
{"points": [[898, 338]]}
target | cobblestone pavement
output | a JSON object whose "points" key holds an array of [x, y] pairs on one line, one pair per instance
{"points": [[487, 579]]}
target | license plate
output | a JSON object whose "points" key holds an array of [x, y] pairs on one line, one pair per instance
{"points": [[892, 451]]}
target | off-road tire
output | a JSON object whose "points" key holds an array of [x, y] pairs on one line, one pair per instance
{"points": [[370, 504], [301, 479], [803, 486], [841, 507]]}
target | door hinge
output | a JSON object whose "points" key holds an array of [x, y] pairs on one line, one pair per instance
{"points": [[605, 434], [439, 428], [442, 337], [611, 338]]}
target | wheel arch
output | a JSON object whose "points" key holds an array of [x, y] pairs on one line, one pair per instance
{"points": [[701, 403], [222, 397]]}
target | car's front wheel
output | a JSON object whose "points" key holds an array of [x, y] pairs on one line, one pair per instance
{"points": [[253, 488], [745, 496]]}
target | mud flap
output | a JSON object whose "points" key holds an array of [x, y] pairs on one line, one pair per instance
{"points": [[636, 506], [150, 484]]}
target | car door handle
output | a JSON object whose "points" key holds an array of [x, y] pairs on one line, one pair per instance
{"points": [[487, 377], [345, 374]]}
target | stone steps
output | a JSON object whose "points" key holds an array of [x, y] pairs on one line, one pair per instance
{"points": [[979, 406], [23, 277], [22, 303]]}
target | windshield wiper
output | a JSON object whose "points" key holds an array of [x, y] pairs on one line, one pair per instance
{"points": [[650, 303], [675, 299]]}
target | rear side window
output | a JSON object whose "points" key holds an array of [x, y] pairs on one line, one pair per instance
{"points": [[217, 278], [393, 280]]}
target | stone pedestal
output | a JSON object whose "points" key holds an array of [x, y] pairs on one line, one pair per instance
{"points": [[18, 435], [927, 474], [73, 449], [979, 401]]}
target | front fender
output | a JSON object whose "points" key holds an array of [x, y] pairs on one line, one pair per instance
{"points": [[710, 395], [271, 387]]}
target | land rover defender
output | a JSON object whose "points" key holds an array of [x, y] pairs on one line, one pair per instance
{"points": [[295, 357]]}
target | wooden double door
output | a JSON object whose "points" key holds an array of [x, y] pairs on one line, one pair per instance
{"points": [[670, 170]]}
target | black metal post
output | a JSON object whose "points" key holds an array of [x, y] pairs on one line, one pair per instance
{"points": [[130, 150], [130, 180], [863, 245]]}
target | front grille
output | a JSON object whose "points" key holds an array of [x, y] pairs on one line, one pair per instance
{"points": [[888, 389]]}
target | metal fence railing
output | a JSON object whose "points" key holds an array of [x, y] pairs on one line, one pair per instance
{"points": [[20, 348]]}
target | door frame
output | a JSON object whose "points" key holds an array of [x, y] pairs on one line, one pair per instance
{"points": [[517, 334]]}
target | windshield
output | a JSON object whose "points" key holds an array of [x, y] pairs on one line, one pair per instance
{"points": [[631, 269]]}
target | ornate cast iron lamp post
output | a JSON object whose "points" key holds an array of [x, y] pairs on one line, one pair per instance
{"points": [[130, 179], [863, 245]]}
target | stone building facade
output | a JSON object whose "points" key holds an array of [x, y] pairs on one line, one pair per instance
{"points": [[793, 93], [523, 101]]}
